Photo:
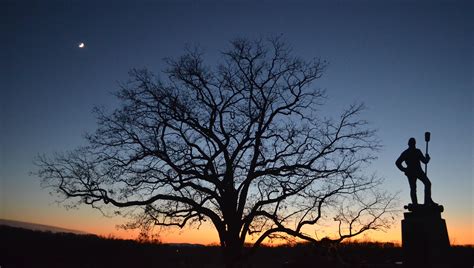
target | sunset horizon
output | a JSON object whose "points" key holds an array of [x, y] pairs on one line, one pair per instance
{"points": [[207, 236]]}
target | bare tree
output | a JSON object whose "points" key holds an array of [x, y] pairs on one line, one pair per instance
{"points": [[241, 145]]}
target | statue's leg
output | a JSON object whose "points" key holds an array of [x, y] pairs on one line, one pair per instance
{"points": [[412, 181], [423, 178]]}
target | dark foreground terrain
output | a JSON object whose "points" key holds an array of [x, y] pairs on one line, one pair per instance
{"points": [[27, 248]]}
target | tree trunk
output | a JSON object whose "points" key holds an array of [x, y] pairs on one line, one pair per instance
{"points": [[232, 253], [232, 248]]}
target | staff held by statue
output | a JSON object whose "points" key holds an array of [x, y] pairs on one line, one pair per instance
{"points": [[427, 139]]}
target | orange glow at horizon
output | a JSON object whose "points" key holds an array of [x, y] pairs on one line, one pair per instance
{"points": [[206, 235], [460, 228]]}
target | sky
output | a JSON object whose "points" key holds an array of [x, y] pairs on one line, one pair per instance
{"points": [[410, 62]]}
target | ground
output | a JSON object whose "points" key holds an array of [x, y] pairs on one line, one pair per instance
{"points": [[27, 248]]}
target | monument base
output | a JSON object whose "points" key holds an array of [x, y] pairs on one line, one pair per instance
{"points": [[425, 238]]}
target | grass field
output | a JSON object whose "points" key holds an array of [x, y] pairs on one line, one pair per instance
{"points": [[27, 248]]}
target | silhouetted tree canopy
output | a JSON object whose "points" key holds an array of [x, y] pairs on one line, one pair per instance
{"points": [[241, 144]]}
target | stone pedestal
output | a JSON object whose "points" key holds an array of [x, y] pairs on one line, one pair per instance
{"points": [[425, 238]]}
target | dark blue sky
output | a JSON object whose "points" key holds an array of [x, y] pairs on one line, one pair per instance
{"points": [[410, 62]]}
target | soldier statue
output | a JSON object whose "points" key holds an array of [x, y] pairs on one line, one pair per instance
{"points": [[412, 169]]}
